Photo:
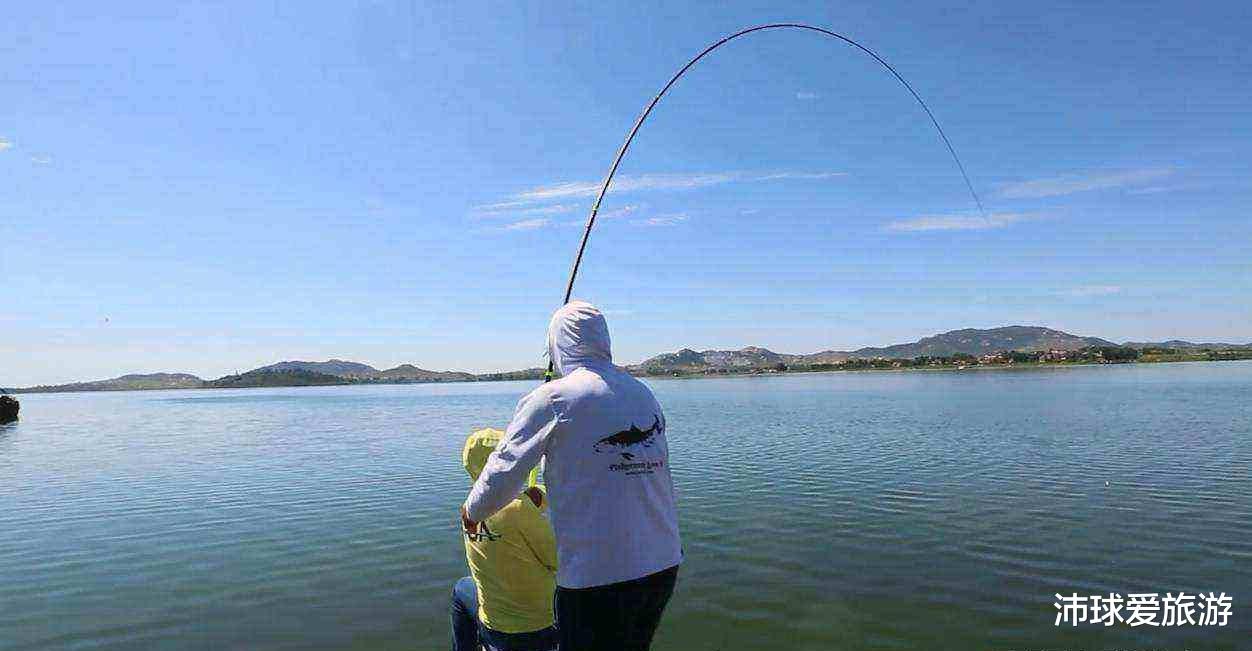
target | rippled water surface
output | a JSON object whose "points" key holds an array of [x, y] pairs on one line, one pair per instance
{"points": [[935, 510]]}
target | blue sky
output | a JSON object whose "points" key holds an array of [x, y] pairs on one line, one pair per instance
{"points": [[214, 187]]}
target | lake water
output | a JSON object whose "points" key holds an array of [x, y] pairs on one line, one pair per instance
{"points": [[874, 510]]}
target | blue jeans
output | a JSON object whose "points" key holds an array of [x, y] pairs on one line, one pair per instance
{"points": [[469, 634], [619, 616]]}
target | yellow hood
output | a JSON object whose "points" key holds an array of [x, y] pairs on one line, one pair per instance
{"points": [[479, 446]]}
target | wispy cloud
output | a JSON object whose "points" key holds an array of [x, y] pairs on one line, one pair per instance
{"points": [[514, 209], [1162, 189], [41, 160], [1075, 183], [625, 184], [608, 214], [957, 222], [532, 209], [673, 219], [1084, 291], [620, 212], [644, 182], [807, 95], [528, 224], [802, 176], [5, 144]]}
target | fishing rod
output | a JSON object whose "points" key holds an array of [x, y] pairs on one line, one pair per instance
{"points": [[621, 152]]}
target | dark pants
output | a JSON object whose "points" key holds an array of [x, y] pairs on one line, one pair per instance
{"points": [[615, 617], [469, 634]]}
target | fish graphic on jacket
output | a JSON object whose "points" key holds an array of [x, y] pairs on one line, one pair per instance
{"points": [[628, 438]]}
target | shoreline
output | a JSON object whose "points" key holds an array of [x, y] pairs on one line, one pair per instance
{"points": [[1026, 366], [936, 369]]}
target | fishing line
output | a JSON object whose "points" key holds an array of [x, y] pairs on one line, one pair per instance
{"points": [[621, 152]]}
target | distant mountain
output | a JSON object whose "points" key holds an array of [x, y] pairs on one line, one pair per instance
{"points": [[336, 367], [524, 374], [270, 377], [824, 357], [970, 341], [1178, 344], [132, 382], [364, 372], [411, 373], [687, 360]]}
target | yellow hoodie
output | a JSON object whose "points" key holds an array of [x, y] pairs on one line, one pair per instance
{"points": [[513, 559]]}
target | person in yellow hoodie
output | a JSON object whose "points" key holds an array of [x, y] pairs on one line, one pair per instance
{"points": [[506, 602]]}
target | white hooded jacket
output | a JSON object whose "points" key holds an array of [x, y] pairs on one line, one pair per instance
{"points": [[601, 434]]}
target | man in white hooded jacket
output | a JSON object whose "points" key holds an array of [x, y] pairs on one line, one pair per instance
{"points": [[601, 435]]}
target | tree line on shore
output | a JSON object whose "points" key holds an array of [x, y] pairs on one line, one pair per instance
{"points": [[1088, 355], [967, 347]]}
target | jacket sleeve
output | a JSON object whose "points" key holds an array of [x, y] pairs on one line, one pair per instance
{"points": [[524, 442], [539, 536]]}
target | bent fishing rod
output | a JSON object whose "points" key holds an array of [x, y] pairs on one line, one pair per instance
{"points": [[621, 152]]}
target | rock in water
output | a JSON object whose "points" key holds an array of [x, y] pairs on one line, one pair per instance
{"points": [[8, 409]]}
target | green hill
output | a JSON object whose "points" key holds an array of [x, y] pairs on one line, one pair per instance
{"points": [[132, 382], [969, 341]]}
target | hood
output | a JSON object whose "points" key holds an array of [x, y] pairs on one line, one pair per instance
{"points": [[578, 336], [480, 444]]}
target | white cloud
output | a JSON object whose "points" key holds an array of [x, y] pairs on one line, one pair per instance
{"points": [[536, 204], [5, 144], [643, 182], [1162, 189], [662, 220], [528, 224], [806, 176], [619, 212], [625, 184], [1084, 291], [807, 95], [957, 222], [41, 160], [1153, 189], [501, 207], [1073, 184], [515, 209]]}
